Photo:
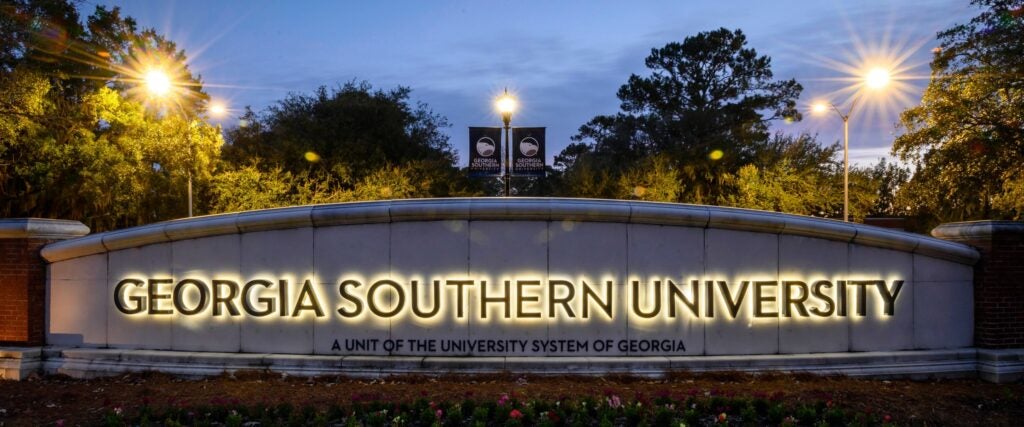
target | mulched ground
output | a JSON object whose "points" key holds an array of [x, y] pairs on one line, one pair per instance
{"points": [[47, 400]]}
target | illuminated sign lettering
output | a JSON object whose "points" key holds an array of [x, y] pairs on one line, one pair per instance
{"points": [[511, 299]]}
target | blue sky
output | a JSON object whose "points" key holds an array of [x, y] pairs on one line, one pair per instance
{"points": [[564, 59]]}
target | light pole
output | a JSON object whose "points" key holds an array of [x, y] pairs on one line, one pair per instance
{"points": [[875, 79], [821, 108], [506, 105], [160, 85], [191, 160]]}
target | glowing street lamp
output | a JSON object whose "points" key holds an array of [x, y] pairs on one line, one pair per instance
{"points": [[506, 105], [157, 82], [877, 78], [159, 85], [218, 109]]}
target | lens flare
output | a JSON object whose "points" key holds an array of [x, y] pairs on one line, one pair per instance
{"points": [[877, 78], [157, 82], [506, 104], [870, 79], [716, 155], [218, 109]]}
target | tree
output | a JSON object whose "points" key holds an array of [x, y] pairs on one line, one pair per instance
{"points": [[889, 178], [353, 136], [653, 179], [966, 138], [74, 142], [706, 106], [795, 174]]}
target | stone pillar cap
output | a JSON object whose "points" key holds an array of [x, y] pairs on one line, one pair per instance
{"points": [[41, 228], [977, 229]]}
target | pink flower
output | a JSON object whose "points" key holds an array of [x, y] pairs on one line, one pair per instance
{"points": [[614, 401], [515, 414], [60, 423], [503, 400], [438, 414], [887, 419], [722, 417]]}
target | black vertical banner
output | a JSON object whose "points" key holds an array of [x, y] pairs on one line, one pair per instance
{"points": [[484, 151], [528, 151]]}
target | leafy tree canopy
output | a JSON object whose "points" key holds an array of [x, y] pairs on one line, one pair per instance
{"points": [[966, 138], [78, 139], [357, 142], [705, 107]]}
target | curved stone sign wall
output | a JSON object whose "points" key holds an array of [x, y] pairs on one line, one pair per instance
{"points": [[510, 277]]}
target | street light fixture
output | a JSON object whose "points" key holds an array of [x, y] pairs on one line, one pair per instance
{"points": [[506, 105], [160, 85], [157, 82], [877, 78], [218, 109]]}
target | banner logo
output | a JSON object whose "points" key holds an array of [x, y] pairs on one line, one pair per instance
{"points": [[529, 146], [484, 151], [528, 158], [486, 147]]}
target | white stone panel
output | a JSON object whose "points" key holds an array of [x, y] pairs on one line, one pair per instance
{"points": [[426, 251], [809, 260], [877, 331], [737, 256], [77, 313], [91, 267], [76, 305], [593, 253], [278, 255], [352, 252], [206, 259], [501, 251], [142, 330], [943, 315], [928, 269], [665, 253]]}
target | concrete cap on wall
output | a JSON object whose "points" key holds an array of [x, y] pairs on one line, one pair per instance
{"points": [[511, 209], [969, 230], [41, 228]]}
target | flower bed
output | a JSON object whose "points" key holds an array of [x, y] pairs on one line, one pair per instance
{"points": [[687, 409], [680, 399]]}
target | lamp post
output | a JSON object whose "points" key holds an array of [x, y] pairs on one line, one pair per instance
{"points": [[159, 84], [191, 160], [506, 105], [821, 108], [875, 79]]}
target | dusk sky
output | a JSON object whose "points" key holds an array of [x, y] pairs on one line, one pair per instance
{"points": [[563, 60]]}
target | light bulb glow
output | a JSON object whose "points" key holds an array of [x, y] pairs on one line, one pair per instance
{"points": [[819, 108], [157, 82], [218, 109], [506, 104], [877, 78]]}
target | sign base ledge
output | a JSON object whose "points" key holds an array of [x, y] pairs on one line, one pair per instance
{"points": [[1000, 366]]}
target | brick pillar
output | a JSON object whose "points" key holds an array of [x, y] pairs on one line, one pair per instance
{"points": [[998, 279], [23, 276]]}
